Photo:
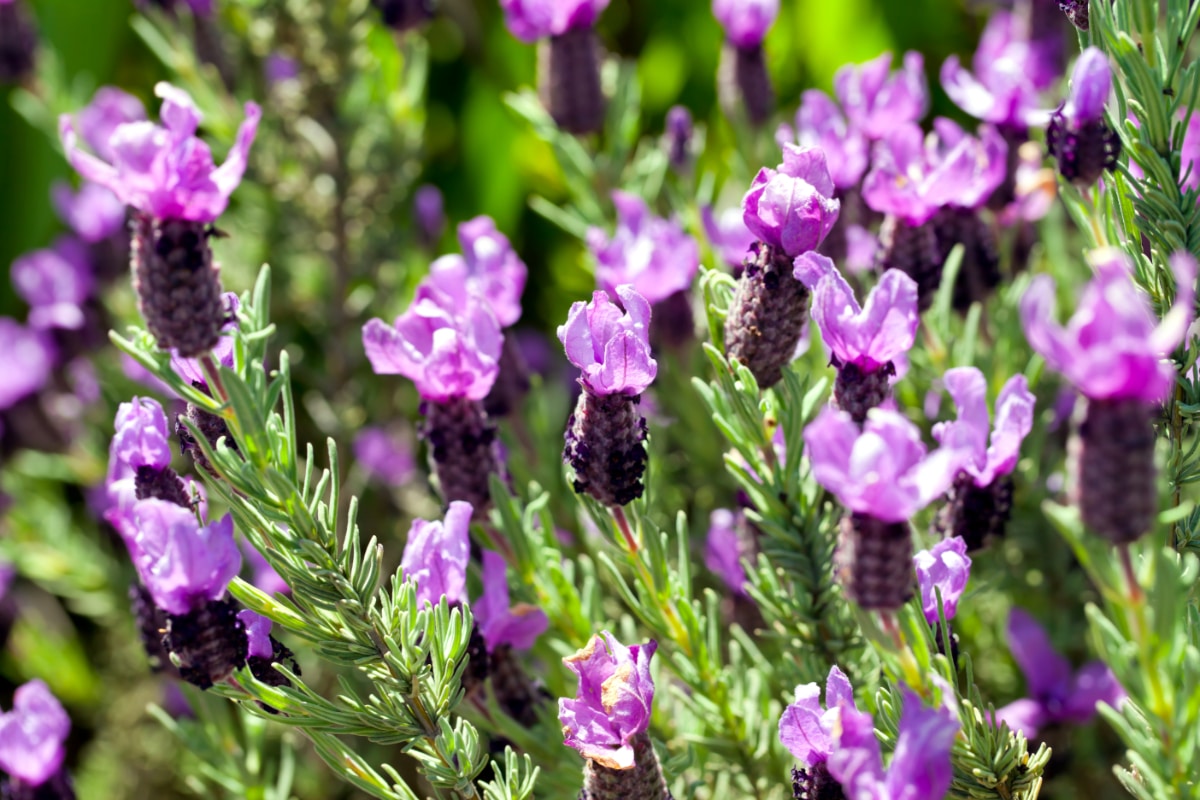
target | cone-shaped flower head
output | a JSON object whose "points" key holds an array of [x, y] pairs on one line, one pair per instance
{"points": [[489, 268], [182, 564], [32, 734], [746, 22], [1091, 84], [727, 234], [55, 283], [945, 567], [499, 623], [141, 438], [164, 170], [530, 20], [258, 633], [723, 550], [94, 212], [1056, 693], [652, 254], [807, 730], [1010, 73], [821, 123], [611, 348], [1113, 348], [920, 767], [98, 120], [875, 101], [29, 357], [222, 352], [448, 344], [1078, 136], [870, 337], [881, 471], [385, 456], [613, 702], [1014, 421], [792, 208], [436, 555]]}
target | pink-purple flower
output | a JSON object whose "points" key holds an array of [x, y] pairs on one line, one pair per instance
{"points": [[610, 347], [29, 356], [1014, 421], [1113, 348], [182, 563], [867, 337], [55, 282], [32, 734], [141, 438], [943, 571], [488, 267], [652, 254], [94, 212], [746, 22], [792, 208], [499, 623], [164, 170], [436, 556], [728, 235], [98, 120], [875, 101], [1057, 694], [821, 123], [385, 455], [530, 20], [723, 550], [614, 700], [810, 732], [258, 634]]}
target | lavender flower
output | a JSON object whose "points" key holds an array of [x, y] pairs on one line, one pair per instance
{"points": [[810, 732], [611, 348], [436, 556], [743, 79], [822, 124], [1057, 695], [222, 352], [1078, 137], [429, 212], [790, 208], [141, 438], [258, 634], [384, 456], [746, 22], [94, 213], [55, 283], [678, 137], [98, 120], [500, 624], [32, 735], [876, 102], [723, 550], [279, 68], [945, 567], [29, 359], [182, 564], [530, 20], [652, 254], [728, 235], [1014, 421], [488, 269]]}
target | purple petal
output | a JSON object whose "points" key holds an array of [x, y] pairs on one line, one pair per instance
{"points": [[723, 550], [800, 728], [30, 356], [258, 633], [946, 568], [1091, 83], [436, 556], [1047, 673], [1024, 716], [1094, 683], [32, 734], [920, 768]]}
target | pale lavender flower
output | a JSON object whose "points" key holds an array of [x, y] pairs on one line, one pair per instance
{"points": [[258, 633], [29, 357], [182, 564], [1014, 421], [791, 208], [489, 269], [436, 556], [808, 731], [385, 456], [723, 550], [611, 348], [32, 734], [1114, 347], [945, 567], [821, 123], [141, 438], [164, 170], [746, 22], [876, 102], [98, 120], [530, 20], [94, 212], [55, 282], [728, 235], [652, 254], [1057, 695], [499, 623], [614, 700]]}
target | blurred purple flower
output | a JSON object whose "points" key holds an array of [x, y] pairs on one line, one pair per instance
{"points": [[728, 235], [258, 633], [612, 349], [966, 169], [29, 358], [1114, 347], [222, 352], [499, 623], [723, 550], [166, 172], [746, 22], [262, 574], [1189, 168], [1057, 694], [791, 208], [278, 68], [530, 20], [821, 123], [945, 567], [652, 254], [182, 564], [876, 102], [436, 555], [1091, 84], [55, 282], [488, 268], [141, 438], [385, 455], [614, 699], [678, 136], [32, 734], [98, 120], [94, 213], [1014, 421], [810, 732], [861, 245], [429, 210]]}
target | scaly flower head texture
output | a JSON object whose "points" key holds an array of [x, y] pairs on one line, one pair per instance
{"points": [[875, 101], [1056, 693], [869, 337], [810, 732], [650, 253], [1113, 348], [530, 20], [436, 556], [94, 212], [181, 563], [723, 550], [727, 234], [98, 120], [746, 22], [447, 343], [141, 438], [488, 267], [945, 567], [29, 356], [164, 170], [32, 734], [920, 767], [792, 208], [499, 623], [1014, 421], [55, 282], [611, 348], [189, 368], [613, 702], [821, 123], [883, 470], [1091, 84]]}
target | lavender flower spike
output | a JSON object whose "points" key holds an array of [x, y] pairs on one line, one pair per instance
{"points": [[810, 732], [791, 208], [1078, 137], [32, 735], [499, 623], [182, 564], [652, 254], [746, 22], [436, 556], [98, 120], [945, 567], [612, 349], [1014, 421], [743, 78], [1057, 694]]}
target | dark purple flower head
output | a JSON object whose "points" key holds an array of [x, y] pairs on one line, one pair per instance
{"points": [[1011, 71], [1056, 693], [530, 20], [258, 633], [488, 268], [613, 702], [1113, 348], [883, 470], [1091, 84], [876, 102], [920, 767], [1014, 420], [436, 556], [181, 563], [142, 438], [652, 254], [945, 567], [94, 213], [820, 123], [723, 550], [385, 456], [164, 170], [869, 337], [55, 283], [447, 344], [29, 356], [728, 235], [810, 732], [32, 734], [678, 136], [611, 348], [746, 22], [499, 623], [98, 120], [189, 368], [429, 209], [792, 208]]}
